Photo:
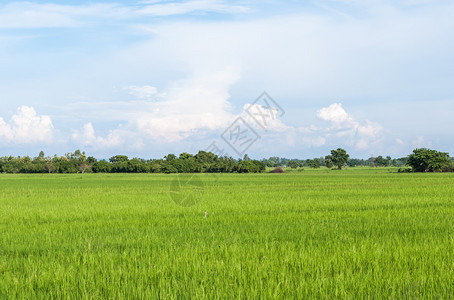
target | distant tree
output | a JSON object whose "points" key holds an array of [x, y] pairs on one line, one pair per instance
{"points": [[41, 155], [328, 162], [185, 155], [83, 167], [205, 161], [372, 161], [156, 165], [170, 157], [338, 157], [119, 159], [394, 162], [137, 165], [388, 161], [293, 164], [315, 163], [427, 160], [250, 166], [353, 162], [168, 168], [380, 161], [101, 166]]}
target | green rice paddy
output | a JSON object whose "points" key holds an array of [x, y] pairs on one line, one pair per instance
{"points": [[357, 233]]}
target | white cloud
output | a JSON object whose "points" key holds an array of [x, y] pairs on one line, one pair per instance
{"points": [[266, 118], [334, 113], [187, 108], [324, 55], [199, 106], [26, 127], [86, 137], [189, 105], [344, 129], [142, 92]]}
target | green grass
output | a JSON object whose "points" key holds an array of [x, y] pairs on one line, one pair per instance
{"points": [[356, 233]]}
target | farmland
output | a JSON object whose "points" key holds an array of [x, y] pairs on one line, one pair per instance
{"points": [[353, 233]]}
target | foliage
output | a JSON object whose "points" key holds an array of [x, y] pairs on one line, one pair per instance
{"points": [[427, 160], [202, 162], [380, 161], [77, 162], [338, 157]]}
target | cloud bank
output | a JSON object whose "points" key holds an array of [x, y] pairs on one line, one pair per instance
{"points": [[26, 127]]}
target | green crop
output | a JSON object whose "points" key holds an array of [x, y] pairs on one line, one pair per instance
{"points": [[357, 233]]}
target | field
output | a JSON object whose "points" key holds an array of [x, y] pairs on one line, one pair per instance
{"points": [[353, 233]]}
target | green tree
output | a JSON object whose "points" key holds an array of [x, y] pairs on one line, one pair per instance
{"points": [[315, 163], [338, 157], [170, 157], [102, 166], [186, 155], [119, 159], [427, 160], [293, 164], [380, 161]]}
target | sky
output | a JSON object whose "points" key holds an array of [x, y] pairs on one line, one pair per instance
{"points": [[148, 78]]}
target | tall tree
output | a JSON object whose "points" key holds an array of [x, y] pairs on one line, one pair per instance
{"points": [[338, 157], [427, 160]]}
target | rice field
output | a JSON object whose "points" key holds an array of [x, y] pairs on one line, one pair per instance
{"points": [[357, 233]]}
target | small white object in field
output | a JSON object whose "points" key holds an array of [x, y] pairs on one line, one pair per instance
{"points": [[206, 214]]}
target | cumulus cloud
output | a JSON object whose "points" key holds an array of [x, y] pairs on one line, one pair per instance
{"points": [[86, 137], [200, 102], [26, 127], [196, 106], [334, 113], [342, 129], [264, 117], [188, 108], [343, 125]]}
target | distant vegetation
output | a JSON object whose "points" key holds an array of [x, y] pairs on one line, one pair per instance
{"points": [[78, 162], [421, 160], [426, 160]]}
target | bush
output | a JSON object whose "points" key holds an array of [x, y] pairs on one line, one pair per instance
{"points": [[404, 170]]}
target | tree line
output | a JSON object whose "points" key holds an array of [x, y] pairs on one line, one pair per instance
{"points": [[421, 160], [79, 162], [318, 162]]}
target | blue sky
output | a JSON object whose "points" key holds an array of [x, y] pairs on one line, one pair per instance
{"points": [[147, 78]]}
